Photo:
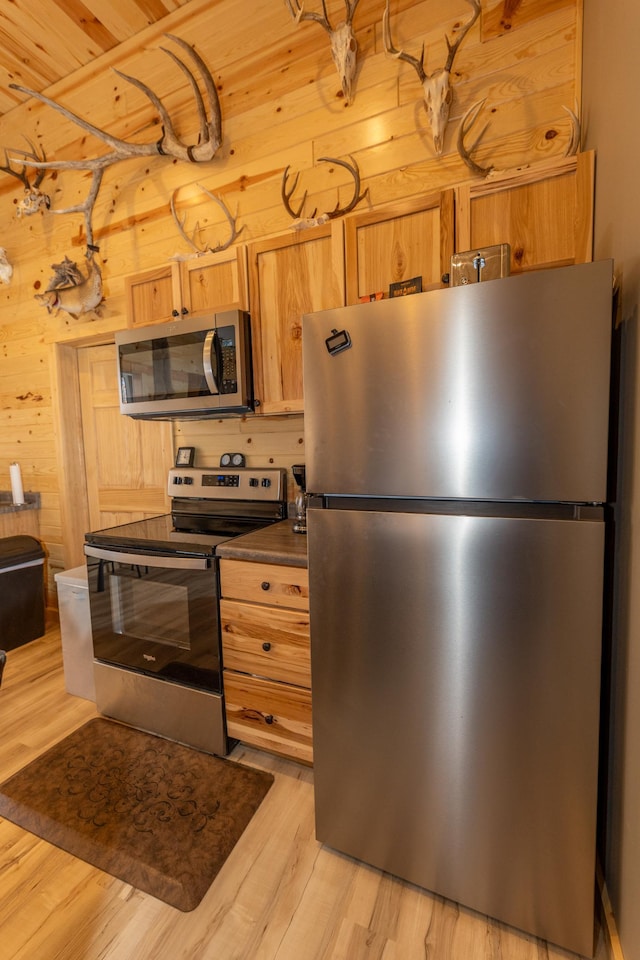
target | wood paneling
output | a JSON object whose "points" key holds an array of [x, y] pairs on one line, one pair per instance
{"points": [[41, 43], [18, 523]]}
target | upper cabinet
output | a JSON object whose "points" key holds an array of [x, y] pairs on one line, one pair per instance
{"points": [[544, 212], [399, 242], [289, 276], [213, 282], [150, 295]]}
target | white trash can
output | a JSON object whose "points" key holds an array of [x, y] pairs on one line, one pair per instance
{"points": [[75, 630]]}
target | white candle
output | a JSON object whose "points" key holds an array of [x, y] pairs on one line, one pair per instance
{"points": [[16, 483]]}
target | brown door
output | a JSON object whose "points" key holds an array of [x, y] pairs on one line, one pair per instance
{"points": [[126, 460]]}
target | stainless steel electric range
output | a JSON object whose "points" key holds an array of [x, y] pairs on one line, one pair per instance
{"points": [[154, 600]]}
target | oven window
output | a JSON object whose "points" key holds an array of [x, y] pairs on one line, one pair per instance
{"points": [[146, 610], [156, 618]]}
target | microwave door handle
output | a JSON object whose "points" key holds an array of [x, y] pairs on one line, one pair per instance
{"points": [[210, 361]]}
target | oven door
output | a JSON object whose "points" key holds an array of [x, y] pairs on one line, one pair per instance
{"points": [[157, 615]]}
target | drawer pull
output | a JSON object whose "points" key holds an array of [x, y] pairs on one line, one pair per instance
{"points": [[269, 718], [265, 585], [266, 645]]}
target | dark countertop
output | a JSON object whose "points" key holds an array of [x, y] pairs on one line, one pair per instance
{"points": [[276, 543]]}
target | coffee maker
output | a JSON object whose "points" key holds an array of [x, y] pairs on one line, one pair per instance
{"points": [[300, 524]]}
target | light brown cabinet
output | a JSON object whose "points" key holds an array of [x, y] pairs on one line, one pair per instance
{"points": [[544, 212], [290, 275], [413, 238], [213, 282], [264, 614]]}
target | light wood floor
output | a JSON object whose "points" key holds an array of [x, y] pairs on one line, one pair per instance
{"points": [[280, 895]]}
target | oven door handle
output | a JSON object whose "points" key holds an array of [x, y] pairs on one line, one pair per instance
{"points": [[148, 560]]}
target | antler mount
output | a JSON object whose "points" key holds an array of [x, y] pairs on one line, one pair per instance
{"points": [[300, 222], [169, 144]]}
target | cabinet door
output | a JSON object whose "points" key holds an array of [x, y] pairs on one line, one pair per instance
{"points": [[544, 212], [289, 276], [399, 242], [152, 296], [201, 285], [215, 282]]}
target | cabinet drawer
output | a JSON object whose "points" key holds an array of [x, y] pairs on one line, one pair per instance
{"points": [[268, 715], [268, 641], [272, 583]]}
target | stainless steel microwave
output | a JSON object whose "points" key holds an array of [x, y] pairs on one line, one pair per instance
{"points": [[187, 369]]}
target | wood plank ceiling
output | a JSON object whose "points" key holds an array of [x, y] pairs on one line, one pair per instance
{"points": [[43, 41]]}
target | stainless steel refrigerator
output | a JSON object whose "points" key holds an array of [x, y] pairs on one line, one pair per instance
{"points": [[456, 462]]}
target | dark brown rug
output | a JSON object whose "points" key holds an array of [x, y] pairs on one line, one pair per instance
{"points": [[154, 813]]}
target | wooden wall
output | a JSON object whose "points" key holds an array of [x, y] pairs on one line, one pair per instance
{"points": [[281, 105]]}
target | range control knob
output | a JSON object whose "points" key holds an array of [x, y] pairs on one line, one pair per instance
{"points": [[266, 482], [253, 481]]}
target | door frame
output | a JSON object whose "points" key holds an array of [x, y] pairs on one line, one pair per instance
{"points": [[67, 414]]}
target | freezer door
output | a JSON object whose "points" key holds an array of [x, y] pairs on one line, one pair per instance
{"points": [[496, 390], [456, 675]]}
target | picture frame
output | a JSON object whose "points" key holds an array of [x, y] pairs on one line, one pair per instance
{"points": [[185, 456]]}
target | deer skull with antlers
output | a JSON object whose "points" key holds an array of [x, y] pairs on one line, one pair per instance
{"points": [[34, 199], [436, 85], [169, 144], [344, 45]]}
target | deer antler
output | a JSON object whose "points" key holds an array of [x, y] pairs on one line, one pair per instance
{"points": [[464, 29], [298, 13], [169, 144], [22, 174], [576, 134], [466, 123], [344, 45], [33, 198], [470, 118], [436, 85], [232, 223], [338, 211], [287, 194]]}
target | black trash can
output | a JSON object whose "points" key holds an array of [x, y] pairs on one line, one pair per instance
{"points": [[21, 591]]}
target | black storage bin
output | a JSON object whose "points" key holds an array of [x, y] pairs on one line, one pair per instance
{"points": [[21, 591]]}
